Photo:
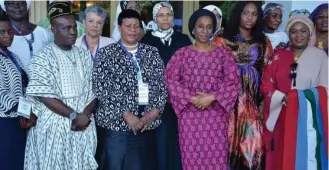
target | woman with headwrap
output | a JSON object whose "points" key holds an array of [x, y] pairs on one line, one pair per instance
{"points": [[123, 5], [297, 12], [300, 67], [218, 13], [320, 19], [244, 37], [28, 38], [203, 84], [273, 19], [167, 41]]}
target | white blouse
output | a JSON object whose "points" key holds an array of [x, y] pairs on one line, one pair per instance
{"points": [[20, 46]]}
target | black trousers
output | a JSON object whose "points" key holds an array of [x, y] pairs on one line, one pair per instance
{"points": [[126, 151], [100, 147], [167, 141]]}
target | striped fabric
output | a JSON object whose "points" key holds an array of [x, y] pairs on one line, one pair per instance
{"points": [[305, 137], [301, 143], [322, 111], [10, 86]]}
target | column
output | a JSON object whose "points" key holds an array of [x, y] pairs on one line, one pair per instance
{"points": [[114, 5], [38, 11], [188, 8]]}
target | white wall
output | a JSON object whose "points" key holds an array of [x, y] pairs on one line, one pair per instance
{"points": [[310, 5]]}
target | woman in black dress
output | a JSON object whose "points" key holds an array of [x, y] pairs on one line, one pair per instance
{"points": [[168, 41]]}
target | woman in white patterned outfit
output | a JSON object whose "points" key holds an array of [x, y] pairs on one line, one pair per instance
{"points": [[12, 81]]}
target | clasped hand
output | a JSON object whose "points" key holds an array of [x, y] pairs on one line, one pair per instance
{"points": [[28, 123], [140, 124], [81, 122], [202, 100]]}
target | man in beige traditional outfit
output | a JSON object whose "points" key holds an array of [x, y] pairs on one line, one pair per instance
{"points": [[60, 89]]}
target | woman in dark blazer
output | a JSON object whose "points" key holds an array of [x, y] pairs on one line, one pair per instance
{"points": [[168, 41]]}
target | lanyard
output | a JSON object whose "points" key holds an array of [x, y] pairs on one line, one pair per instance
{"points": [[30, 42], [134, 58], [10, 55], [87, 45]]}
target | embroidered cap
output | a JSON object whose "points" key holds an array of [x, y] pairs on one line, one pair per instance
{"points": [[58, 9]]}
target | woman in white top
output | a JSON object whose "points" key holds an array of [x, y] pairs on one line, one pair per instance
{"points": [[93, 21], [28, 38], [273, 19]]}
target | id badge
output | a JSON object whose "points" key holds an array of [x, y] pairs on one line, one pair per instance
{"points": [[24, 107], [143, 94]]}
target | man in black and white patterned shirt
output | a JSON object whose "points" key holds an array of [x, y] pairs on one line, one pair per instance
{"points": [[128, 83]]}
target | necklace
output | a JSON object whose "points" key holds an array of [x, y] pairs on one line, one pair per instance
{"points": [[297, 56], [320, 45], [320, 42], [128, 46], [198, 49]]}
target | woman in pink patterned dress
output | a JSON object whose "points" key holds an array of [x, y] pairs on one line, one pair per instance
{"points": [[203, 83]]}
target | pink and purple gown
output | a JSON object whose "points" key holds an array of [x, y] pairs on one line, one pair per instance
{"points": [[203, 136]]}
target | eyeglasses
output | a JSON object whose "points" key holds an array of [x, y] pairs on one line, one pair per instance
{"points": [[293, 72], [162, 16], [300, 12]]}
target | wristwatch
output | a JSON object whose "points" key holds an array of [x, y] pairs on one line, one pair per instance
{"points": [[73, 115]]}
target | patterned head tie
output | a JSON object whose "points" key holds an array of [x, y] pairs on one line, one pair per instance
{"points": [[300, 18], [267, 8], [158, 6], [295, 12]]}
